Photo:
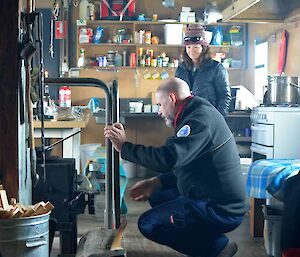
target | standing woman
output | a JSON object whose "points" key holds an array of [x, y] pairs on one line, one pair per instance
{"points": [[206, 77]]}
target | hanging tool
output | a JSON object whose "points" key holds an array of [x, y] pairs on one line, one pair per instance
{"points": [[42, 89], [26, 53], [74, 2], [54, 17]]}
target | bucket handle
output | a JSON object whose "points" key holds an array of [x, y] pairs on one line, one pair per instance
{"points": [[36, 242]]}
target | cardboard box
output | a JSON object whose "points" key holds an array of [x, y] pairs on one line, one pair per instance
{"points": [[187, 17], [186, 9]]}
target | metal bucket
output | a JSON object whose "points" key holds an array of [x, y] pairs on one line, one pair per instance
{"points": [[25, 237], [282, 90]]}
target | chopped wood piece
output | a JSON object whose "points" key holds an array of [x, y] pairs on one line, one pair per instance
{"points": [[3, 200], [117, 242], [29, 212], [13, 201], [48, 206]]}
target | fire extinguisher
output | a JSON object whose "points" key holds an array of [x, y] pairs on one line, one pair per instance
{"points": [[64, 96]]}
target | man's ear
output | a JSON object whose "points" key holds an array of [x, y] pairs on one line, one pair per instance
{"points": [[173, 98]]}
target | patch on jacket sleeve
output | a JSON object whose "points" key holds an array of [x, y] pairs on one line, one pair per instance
{"points": [[184, 131]]}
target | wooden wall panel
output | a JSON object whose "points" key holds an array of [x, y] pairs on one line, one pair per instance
{"points": [[9, 67], [131, 85], [293, 54], [272, 33], [260, 32]]}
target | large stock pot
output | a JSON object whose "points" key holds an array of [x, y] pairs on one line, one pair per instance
{"points": [[283, 90]]}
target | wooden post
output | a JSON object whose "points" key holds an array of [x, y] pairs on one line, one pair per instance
{"points": [[9, 79]]}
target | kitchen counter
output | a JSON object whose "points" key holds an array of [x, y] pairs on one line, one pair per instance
{"points": [[63, 124]]}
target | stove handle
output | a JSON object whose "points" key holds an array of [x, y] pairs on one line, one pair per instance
{"points": [[257, 150], [254, 128]]}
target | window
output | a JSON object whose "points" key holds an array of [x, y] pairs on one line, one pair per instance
{"points": [[261, 69]]}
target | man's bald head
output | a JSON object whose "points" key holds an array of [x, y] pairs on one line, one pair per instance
{"points": [[176, 86]]}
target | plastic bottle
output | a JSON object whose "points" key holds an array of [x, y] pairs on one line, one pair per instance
{"points": [[83, 9], [81, 60], [218, 38], [65, 97], [124, 58], [117, 59], [97, 35], [46, 96]]}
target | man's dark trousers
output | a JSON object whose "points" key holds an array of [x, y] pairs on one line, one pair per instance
{"points": [[189, 226]]}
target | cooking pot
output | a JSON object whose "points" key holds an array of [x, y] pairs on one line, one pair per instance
{"points": [[282, 90]]}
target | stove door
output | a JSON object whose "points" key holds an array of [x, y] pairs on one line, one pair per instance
{"points": [[261, 152], [262, 134]]}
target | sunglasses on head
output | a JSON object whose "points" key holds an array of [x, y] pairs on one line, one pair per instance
{"points": [[193, 39]]}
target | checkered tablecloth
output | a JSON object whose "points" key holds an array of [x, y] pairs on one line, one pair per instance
{"points": [[272, 173]]}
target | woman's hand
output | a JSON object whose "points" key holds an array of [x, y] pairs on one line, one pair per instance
{"points": [[142, 190], [116, 135]]}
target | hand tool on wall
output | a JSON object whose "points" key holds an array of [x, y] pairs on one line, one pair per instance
{"points": [[54, 17], [27, 51]]}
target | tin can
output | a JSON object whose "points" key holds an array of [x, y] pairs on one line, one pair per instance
{"points": [[148, 37], [133, 60], [100, 61], [142, 37], [110, 57], [140, 51], [104, 61], [150, 52], [176, 63], [153, 62], [142, 62], [124, 58], [148, 61], [159, 62]]}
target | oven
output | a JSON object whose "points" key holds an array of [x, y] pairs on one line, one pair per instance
{"points": [[275, 132], [275, 135]]}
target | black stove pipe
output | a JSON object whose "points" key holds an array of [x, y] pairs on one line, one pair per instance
{"points": [[116, 160]]}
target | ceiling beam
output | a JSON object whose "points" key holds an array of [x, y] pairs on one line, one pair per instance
{"points": [[237, 7], [294, 16]]}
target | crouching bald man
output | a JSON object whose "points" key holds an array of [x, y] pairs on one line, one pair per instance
{"points": [[199, 195]]}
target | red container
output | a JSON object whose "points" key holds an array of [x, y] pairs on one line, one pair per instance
{"points": [[292, 252], [114, 8], [132, 60], [64, 96]]}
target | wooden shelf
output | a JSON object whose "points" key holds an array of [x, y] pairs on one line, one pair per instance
{"points": [[234, 52], [148, 45], [107, 45], [226, 46], [117, 68], [115, 22], [159, 22], [157, 45]]}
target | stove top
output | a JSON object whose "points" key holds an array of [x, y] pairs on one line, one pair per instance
{"points": [[278, 108], [279, 105]]}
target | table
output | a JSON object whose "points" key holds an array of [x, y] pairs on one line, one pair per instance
{"points": [[266, 175], [62, 129]]}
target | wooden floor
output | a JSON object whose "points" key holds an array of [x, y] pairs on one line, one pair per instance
{"points": [[138, 246]]}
